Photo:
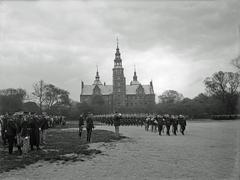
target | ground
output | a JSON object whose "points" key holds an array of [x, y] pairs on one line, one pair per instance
{"points": [[209, 150]]}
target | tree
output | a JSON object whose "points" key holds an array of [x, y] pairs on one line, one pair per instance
{"points": [[55, 96], [170, 96], [11, 100], [224, 86], [236, 62], [39, 92]]}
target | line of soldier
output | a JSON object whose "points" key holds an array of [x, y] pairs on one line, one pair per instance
{"points": [[126, 119], [26, 130], [160, 122], [152, 121]]}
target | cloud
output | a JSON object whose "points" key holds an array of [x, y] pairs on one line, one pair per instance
{"points": [[177, 43]]}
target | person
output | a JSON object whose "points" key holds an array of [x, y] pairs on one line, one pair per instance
{"points": [[44, 127], [117, 118], [4, 129], [89, 126], [147, 122], [155, 123], [160, 124], [80, 125], [182, 123], [174, 124], [11, 132], [34, 133], [25, 135], [18, 122], [168, 124]]}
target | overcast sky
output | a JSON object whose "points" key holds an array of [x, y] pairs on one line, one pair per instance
{"points": [[177, 44]]}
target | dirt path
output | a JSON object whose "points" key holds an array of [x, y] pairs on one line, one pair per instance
{"points": [[208, 151]]}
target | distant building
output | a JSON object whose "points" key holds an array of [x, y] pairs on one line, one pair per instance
{"points": [[119, 95]]}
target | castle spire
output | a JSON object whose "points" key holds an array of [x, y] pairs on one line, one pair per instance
{"points": [[135, 74], [97, 79], [117, 60], [135, 81], [117, 43], [97, 74]]}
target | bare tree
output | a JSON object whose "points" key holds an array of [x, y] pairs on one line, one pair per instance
{"points": [[39, 92], [56, 96]]}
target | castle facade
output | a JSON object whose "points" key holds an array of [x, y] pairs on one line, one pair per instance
{"points": [[119, 95]]}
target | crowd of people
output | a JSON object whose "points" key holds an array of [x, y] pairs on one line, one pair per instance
{"points": [[26, 130], [152, 122]]}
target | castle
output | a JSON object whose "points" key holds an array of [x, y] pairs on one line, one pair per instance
{"points": [[119, 95]]}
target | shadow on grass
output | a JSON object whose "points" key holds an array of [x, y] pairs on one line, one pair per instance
{"points": [[60, 146]]}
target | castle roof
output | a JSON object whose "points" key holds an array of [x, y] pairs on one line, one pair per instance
{"points": [[132, 89], [108, 89], [105, 89]]}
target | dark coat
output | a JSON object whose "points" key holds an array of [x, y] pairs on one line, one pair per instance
{"points": [[160, 121], [182, 122], [81, 121], [11, 128], [117, 120], [34, 132], [24, 130], [89, 122]]}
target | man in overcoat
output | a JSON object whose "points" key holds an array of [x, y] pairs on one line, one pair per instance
{"points": [[89, 126]]}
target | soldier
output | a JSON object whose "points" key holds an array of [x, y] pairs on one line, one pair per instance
{"points": [[160, 124], [25, 134], [152, 123], [155, 123], [18, 121], [34, 132], [44, 127], [4, 129], [89, 126], [117, 122], [80, 125], [147, 122], [174, 125], [11, 132], [168, 124], [182, 123]]}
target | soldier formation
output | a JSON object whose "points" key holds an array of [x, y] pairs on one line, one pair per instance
{"points": [[151, 122], [166, 122], [26, 130]]}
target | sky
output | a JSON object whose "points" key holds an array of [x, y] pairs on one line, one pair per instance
{"points": [[175, 43]]}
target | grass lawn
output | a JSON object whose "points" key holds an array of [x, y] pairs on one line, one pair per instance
{"points": [[61, 145]]}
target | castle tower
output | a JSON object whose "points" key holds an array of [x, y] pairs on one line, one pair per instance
{"points": [[119, 82]]}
